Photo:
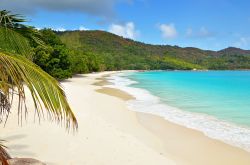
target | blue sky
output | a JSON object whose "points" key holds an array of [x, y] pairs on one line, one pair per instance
{"points": [[206, 24]]}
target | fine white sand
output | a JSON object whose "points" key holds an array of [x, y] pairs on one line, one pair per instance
{"points": [[108, 133]]}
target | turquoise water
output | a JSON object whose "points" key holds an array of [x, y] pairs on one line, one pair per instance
{"points": [[216, 103], [224, 95]]}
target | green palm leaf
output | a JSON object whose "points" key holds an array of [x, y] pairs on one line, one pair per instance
{"points": [[16, 37], [14, 42], [11, 20], [45, 90], [17, 71]]}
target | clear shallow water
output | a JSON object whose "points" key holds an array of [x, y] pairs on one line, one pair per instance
{"points": [[214, 102], [223, 94]]}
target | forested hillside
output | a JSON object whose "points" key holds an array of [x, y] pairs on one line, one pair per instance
{"points": [[62, 54], [115, 52]]}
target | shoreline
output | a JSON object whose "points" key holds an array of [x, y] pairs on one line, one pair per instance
{"points": [[107, 132], [145, 102], [110, 133], [220, 152]]}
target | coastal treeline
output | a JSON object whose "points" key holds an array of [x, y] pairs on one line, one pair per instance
{"points": [[112, 52], [62, 59], [63, 54]]}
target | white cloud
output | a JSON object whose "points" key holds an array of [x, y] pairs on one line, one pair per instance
{"points": [[243, 42], [203, 32], [60, 29], [83, 28], [127, 30], [168, 31]]}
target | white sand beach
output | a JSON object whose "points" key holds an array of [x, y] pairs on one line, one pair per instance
{"points": [[110, 134]]}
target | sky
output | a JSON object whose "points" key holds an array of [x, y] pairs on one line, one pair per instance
{"points": [[205, 24]]}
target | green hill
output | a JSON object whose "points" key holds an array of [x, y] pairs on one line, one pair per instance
{"points": [[63, 54], [120, 53]]}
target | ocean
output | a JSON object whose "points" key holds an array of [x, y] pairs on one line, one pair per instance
{"points": [[216, 103]]}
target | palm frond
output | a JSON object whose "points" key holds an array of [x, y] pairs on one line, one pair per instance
{"points": [[14, 42], [9, 20], [4, 156], [4, 104], [33, 35], [17, 37], [46, 92]]}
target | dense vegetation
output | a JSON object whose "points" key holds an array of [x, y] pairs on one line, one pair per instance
{"points": [[53, 56], [63, 54], [60, 61], [115, 53]]}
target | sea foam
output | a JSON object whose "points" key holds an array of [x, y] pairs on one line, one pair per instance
{"points": [[145, 102]]}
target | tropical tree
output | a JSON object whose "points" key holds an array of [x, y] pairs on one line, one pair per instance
{"points": [[53, 57], [18, 73]]}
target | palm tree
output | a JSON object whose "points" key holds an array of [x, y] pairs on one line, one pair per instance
{"points": [[17, 72]]}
